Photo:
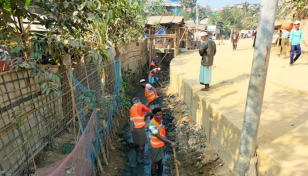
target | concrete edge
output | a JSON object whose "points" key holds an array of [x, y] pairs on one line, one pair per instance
{"points": [[220, 131]]}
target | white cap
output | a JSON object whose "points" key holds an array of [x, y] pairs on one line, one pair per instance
{"points": [[156, 56], [201, 34], [297, 22], [158, 68], [142, 81]]}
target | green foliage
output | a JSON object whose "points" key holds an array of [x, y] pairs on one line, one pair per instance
{"points": [[67, 148], [295, 9], [157, 8], [240, 18], [82, 28], [88, 98]]}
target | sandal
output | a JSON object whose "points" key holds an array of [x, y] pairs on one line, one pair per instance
{"points": [[204, 89]]}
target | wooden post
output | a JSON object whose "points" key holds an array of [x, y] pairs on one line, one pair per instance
{"points": [[186, 41], [176, 45], [150, 46], [67, 62]]}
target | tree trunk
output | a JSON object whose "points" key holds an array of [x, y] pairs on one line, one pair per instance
{"points": [[248, 143]]}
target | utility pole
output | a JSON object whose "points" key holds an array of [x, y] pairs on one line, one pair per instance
{"points": [[248, 143]]}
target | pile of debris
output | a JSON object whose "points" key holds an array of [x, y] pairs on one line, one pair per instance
{"points": [[195, 155]]}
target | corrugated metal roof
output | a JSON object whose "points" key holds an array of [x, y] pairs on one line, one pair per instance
{"points": [[165, 19]]}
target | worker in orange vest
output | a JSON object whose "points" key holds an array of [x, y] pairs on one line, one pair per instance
{"points": [[137, 126], [153, 75], [150, 94], [154, 63], [157, 140]]}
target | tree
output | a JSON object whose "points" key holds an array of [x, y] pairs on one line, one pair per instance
{"points": [[82, 28], [78, 20], [293, 9], [241, 18]]}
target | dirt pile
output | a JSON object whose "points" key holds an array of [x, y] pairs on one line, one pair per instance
{"points": [[195, 154]]}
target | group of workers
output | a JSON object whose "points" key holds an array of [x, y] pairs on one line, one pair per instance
{"points": [[156, 128]]}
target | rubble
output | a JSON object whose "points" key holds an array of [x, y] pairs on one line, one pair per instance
{"points": [[195, 154]]}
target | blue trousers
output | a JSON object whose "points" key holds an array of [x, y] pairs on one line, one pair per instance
{"points": [[297, 49]]}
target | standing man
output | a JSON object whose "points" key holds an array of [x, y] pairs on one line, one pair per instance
{"points": [[207, 51], [150, 94], [137, 126], [284, 42], [153, 75], [295, 37], [254, 40], [234, 39], [154, 63]]}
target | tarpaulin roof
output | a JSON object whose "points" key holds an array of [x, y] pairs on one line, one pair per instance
{"points": [[165, 20]]}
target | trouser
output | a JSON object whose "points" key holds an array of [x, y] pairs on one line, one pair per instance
{"points": [[297, 49], [284, 46], [234, 45]]}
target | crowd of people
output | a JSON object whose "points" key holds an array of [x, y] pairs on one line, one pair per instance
{"points": [[289, 41]]}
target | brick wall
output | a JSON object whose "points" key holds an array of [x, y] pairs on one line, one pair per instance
{"points": [[134, 57]]}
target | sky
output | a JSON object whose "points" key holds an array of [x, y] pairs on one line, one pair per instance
{"points": [[221, 3]]}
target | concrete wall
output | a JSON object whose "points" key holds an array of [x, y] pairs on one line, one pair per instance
{"points": [[220, 131]]}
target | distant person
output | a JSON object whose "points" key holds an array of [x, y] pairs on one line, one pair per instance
{"points": [[296, 36], [279, 39], [157, 140], [234, 39], [154, 63], [137, 126], [153, 76], [254, 41], [284, 43], [207, 51], [253, 35]]}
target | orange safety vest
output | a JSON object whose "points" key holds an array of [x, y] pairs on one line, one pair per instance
{"points": [[155, 70], [137, 118], [150, 96], [155, 142]]}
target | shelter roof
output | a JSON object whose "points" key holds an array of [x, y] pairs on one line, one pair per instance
{"points": [[200, 27], [165, 20]]}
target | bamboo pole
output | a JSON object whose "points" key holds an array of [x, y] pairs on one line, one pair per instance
{"points": [[175, 162], [67, 62]]}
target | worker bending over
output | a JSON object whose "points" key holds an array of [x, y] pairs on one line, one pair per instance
{"points": [[137, 126], [150, 94], [153, 76]]}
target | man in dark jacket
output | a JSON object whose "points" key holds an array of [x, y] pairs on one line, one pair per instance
{"points": [[207, 51]]}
